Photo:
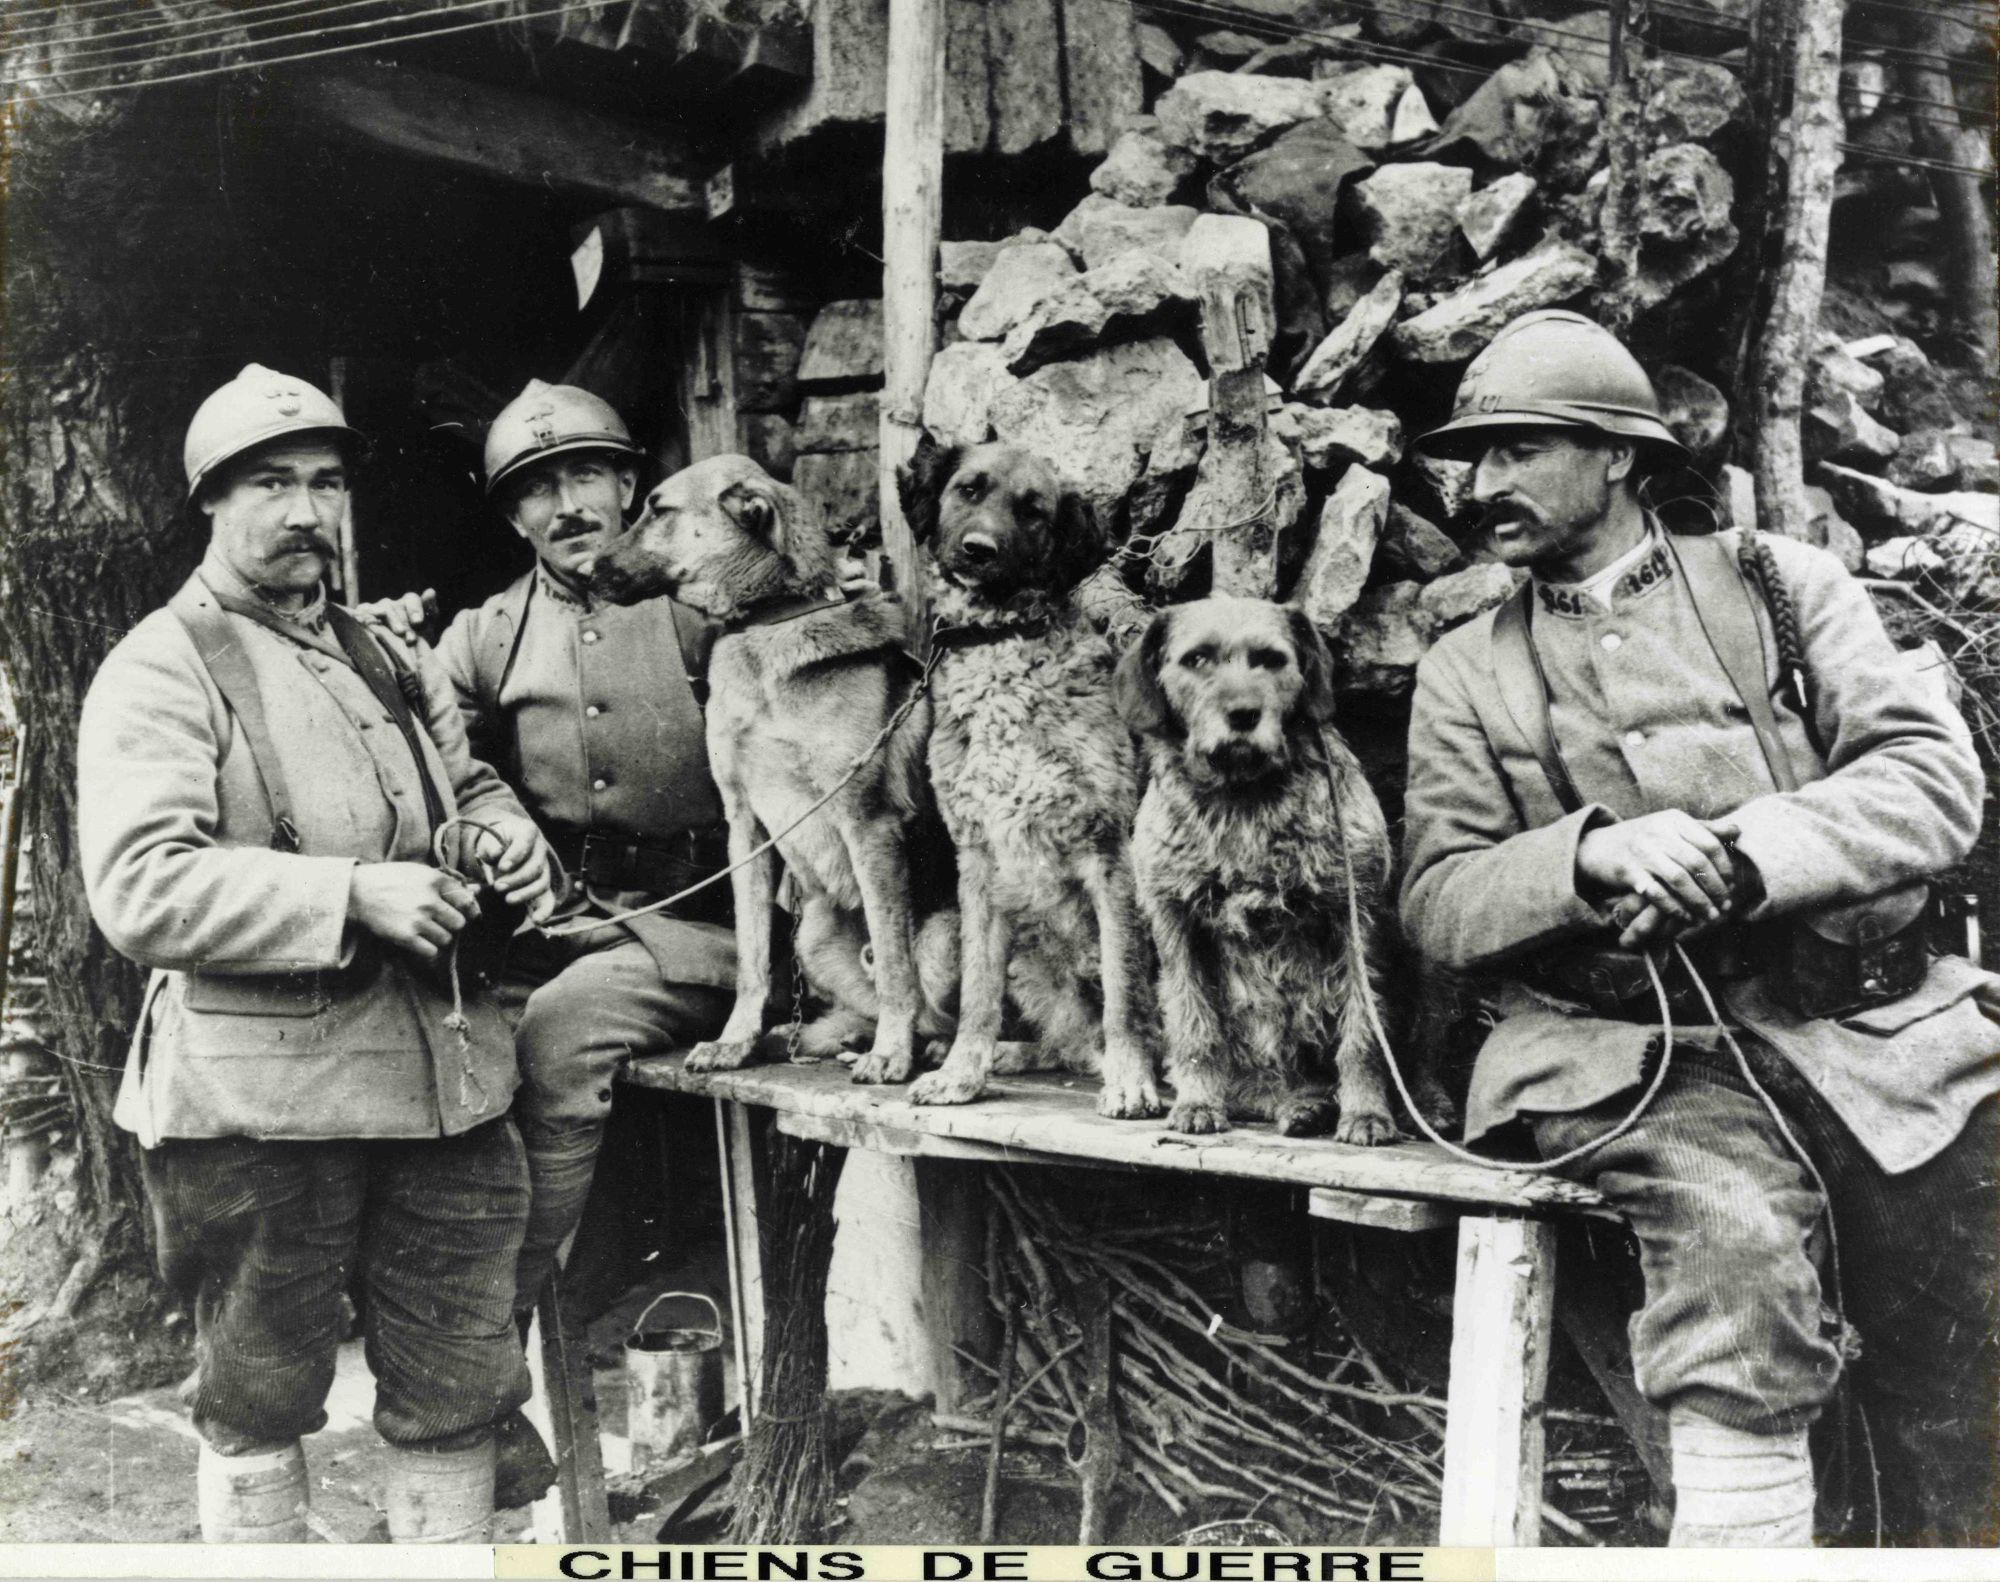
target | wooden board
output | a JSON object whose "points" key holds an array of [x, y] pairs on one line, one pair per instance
{"points": [[1101, 78], [968, 89], [1024, 54], [1043, 1116]]}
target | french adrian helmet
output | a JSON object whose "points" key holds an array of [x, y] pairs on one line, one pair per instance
{"points": [[547, 420], [257, 406], [1552, 369]]}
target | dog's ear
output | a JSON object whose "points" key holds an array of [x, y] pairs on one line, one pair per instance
{"points": [[1316, 701], [1080, 542], [1136, 687], [764, 508], [920, 484]]}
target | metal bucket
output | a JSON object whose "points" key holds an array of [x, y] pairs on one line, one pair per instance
{"points": [[673, 1385]]}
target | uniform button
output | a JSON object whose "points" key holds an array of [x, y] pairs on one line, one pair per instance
{"points": [[366, 725], [590, 637], [1635, 738], [1611, 642], [599, 784], [592, 712]]}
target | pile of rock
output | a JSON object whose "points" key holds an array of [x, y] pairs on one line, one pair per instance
{"points": [[1405, 218]]}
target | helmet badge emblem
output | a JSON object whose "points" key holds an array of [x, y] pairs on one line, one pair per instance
{"points": [[290, 399], [539, 425]]}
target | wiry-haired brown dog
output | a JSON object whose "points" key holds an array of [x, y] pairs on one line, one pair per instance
{"points": [[1238, 852], [801, 684], [1035, 776]]}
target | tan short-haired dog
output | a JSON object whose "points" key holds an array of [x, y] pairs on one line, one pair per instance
{"points": [[801, 682], [1238, 853]]}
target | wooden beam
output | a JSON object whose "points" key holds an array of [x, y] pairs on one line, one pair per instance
{"points": [[912, 216], [951, 1200], [1502, 1318], [496, 132]]}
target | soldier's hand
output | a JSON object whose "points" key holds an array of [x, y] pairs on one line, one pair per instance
{"points": [[1668, 860], [520, 868], [403, 618], [410, 905]]}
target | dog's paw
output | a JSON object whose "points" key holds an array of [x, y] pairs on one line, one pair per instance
{"points": [[1197, 1118], [717, 1054], [881, 1069], [1366, 1129], [946, 1086], [1304, 1115], [1135, 1100]]}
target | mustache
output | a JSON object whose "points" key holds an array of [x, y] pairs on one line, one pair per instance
{"points": [[313, 541], [575, 527], [1496, 515]]}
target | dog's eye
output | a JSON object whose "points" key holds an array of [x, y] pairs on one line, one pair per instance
{"points": [[971, 489], [1031, 510], [1268, 659], [1197, 659]]}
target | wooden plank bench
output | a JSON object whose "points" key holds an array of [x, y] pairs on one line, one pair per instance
{"points": [[1503, 1310]]}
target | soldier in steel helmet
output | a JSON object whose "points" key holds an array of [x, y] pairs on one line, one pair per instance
{"points": [[590, 712], [1706, 751], [259, 783]]}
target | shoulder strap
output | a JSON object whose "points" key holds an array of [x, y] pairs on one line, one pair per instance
{"points": [[696, 637], [375, 668], [1722, 604], [229, 668], [515, 608], [1524, 689]]}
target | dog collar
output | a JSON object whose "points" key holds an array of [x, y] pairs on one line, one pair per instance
{"points": [[957, 637], [785, 607]]}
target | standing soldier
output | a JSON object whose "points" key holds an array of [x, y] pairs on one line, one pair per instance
{"points": [[258, 800], [588, 711], [1709, 745]]}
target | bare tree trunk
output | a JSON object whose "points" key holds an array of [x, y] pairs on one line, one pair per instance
{"points": [[90, 412], [1785, 346], [1968, 223], [1759, 199]]}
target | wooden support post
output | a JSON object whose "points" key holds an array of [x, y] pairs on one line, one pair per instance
{"points": [[707, 375], [1502, 1317], [564, 1407], [743, 1174], [1625, 147], [1785, 348], [951, 1202], [1230, 260], [912, 219]]}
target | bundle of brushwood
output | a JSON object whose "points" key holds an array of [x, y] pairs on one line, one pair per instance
{"points": [[783, 1489], [1117, 1353]]}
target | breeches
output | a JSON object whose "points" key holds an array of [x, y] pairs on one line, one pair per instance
{"points": [[259, 1239], [1736, 1318], [583, 1009]]}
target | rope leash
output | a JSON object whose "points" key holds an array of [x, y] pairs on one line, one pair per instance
{"points": [[457, 1021]]}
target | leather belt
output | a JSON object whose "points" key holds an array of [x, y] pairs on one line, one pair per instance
{"points": [[656, 866]]}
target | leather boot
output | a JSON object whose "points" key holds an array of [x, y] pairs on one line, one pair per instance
{"points": [[440, 1496], [1736, 1490], [259, 1498]]}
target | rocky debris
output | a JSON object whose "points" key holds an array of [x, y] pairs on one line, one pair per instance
{"points": [[1914, 394], [1456, 328], [1841, 430], [1132, 295], [1168, 475], [1096, 418], [1455, 599], [1684, 224], [1695, 410], [1350, 526], [1904, 558], [1336, 358], [963, 265], [1019, 279], [1380, 641], [1831, 531], [1363, 103], [1158, 52], [1409, 215], [1836, 372], [964, 379], [1977, 462], [1221, 116], [843, 347], [1297, 181], [1143, 168], [1226, 48], [1099, 230], [1923, 461], [1488, 217], [1508, 118], [1333, 437], [840, 422], [1689, 101], [1417, 546], [1413, 121], [1878, 507]]}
